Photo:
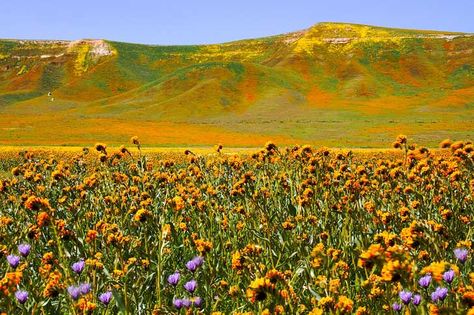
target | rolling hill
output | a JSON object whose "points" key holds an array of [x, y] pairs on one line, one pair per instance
{"points": [[333, 84]]}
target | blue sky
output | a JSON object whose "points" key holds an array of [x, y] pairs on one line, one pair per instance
{"points": [[214, 21]]}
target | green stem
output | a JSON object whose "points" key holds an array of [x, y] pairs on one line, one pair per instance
{"points": [[125, 296], [158, 268], [61, 257]]}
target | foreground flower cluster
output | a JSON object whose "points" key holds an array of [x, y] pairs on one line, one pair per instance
{"points": [[282, 231]]}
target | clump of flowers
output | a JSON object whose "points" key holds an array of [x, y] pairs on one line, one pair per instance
{"points": [[439, 294], [259, 289], [77, 291], [189, 286]]}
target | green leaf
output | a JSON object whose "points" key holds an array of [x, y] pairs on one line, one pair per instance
{"points": [[292, 209], [119, 301]]}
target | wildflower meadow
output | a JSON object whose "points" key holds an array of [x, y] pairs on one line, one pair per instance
{"points": [[297, 230]]}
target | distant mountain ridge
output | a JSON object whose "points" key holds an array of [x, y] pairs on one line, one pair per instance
{"points": [[334, 84]]}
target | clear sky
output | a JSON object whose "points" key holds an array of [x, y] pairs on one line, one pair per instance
{"points": [[214, 21]]}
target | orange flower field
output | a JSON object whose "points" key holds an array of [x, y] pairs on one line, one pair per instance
{"points": [[298, 230]]}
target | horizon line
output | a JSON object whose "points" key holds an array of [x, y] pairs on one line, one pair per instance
{"points": [[236, 40]]}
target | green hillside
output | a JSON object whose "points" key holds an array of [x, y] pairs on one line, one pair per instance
{"points": [[333, 84]]}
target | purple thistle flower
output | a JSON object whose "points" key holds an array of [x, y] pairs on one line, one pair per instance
{"points": [[405, 296], [13, 260], [105, 298], [198, 260], [174, 278], [24, 249], [439, 294], [397, 307], [416, 299], [191, 265], [448, 276], [425, 281], [77, 267], [442, 293], [461, 254], [190, 286], [21, 296], [194, 263], [197, 301], [85, 288], [74, 292], [178, 303], [186, 303]]}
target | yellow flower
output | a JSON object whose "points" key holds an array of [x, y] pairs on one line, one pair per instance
{"points": [[326, 302], [445, 144], [316, 311], [362, 310], [100, 147], [368, 257], [436, 269], [393, 270], [141, 215], [135, 140], [233, 290], [203, 246], [334, 285], [273, 275], [36, 203], [178, 203], [344, 304], [166, 231], [85, 306], [259, 289], [237, 261]]}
